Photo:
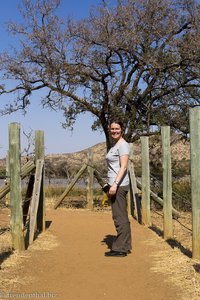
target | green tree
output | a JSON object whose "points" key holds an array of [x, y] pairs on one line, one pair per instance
{"points": [[138, 60]]}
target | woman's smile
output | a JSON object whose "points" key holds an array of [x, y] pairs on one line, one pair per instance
{"points": [[115, 131]]}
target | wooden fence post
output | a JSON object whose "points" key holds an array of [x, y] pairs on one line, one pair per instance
{"points": [[15, 187], [7, 180], [35, 198], [129, 203], [39, 154], [133, 189], [195, 177], [146, 216], [90, 181], [132, 208], [167, 183]]}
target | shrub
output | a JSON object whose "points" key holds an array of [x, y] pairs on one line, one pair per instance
{"points": [[2, 172], [182, 195]]}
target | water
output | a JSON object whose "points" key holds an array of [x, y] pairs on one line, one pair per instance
{"points": [[59, 182]]}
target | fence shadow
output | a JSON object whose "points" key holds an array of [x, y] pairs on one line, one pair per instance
{"points": [[108, 240], [196, 267], [172, 242], [176, 244], [157, 230], [4, 255], [36, 234], [47, 224]]}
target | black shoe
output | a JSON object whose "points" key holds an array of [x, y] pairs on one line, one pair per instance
{"points": [[113, 253]]}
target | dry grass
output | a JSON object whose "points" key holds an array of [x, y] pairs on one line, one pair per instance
{"points": [[9, 260], [12, 261], [6, 243], [175, 260], [5, 236], [76, 202], [182, 231], [45, 241], [181, 271]]}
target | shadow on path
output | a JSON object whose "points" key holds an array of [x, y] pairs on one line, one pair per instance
{"points": [[108, 240], [172, 242]]}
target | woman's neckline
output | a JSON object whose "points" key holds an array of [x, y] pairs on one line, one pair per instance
{"points": [[119, 142]]}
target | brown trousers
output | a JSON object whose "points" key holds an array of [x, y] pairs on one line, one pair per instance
{"points": [[122, 241]]}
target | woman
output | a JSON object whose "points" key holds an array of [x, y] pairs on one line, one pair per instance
{"points": [[118, 180]]}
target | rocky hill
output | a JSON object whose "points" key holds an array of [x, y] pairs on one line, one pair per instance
{"points": [[78, 158], [69, 162], [180, 152]]}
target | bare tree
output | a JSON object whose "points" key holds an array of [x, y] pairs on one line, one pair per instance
{"points": [[28, 149], [138, 60]]}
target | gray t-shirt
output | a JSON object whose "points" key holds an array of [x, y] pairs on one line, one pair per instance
{"points": [[113, 162]]}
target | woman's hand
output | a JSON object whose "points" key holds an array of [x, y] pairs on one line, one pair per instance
{"points": [[112, 190]]}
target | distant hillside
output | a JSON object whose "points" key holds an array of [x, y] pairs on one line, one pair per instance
{"points": [[75, 160], [78, 158], [180, 151]]}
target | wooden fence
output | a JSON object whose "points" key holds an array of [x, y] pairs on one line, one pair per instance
{"points": [[34, 204], [168, 211], [28, 216]]}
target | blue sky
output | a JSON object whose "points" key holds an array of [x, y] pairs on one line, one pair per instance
{"points": [[57, 139]]}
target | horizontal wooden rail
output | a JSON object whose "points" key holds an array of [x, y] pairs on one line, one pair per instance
{"points": [[4, 190], [159, 200], [26, 169], [99, 178]]}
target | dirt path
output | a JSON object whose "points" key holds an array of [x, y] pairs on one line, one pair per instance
{"points": [[67, 262]]}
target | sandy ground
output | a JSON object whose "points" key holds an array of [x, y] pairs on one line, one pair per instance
{"points": [[67, 262]]}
